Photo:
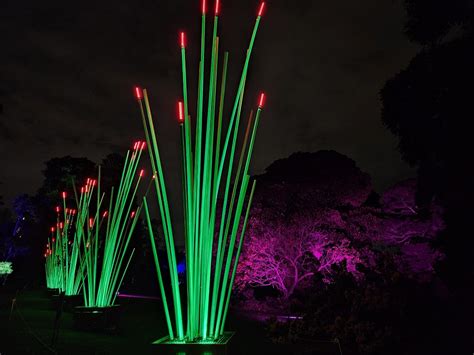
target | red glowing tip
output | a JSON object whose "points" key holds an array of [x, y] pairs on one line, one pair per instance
{"points": [[53, 240], [73, 212], [203, 6], [57, 209], [52, 229], [105, 214], [132, 214], [64, 194], [91, 222], [143, 145], [138, 93], [182, 40], [88, 180], [61, 225], [180, 112], [142, 172], [260, 10], [261, 102], [94, 182], [217, 7]]}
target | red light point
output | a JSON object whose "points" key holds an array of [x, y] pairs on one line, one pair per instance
{"points": [[53, 240], [203, 7], [64, 194], [132, 214], [182, 40], [52, 229], [143, 145], [142, 172], [217, 8], [61, 225], [105, 214], [260, 10], [57, 209], [180, 112], [138, 93], [261, 102], [91, 222]]}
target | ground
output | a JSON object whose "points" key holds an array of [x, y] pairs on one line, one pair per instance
{"points": [[28, 329]]}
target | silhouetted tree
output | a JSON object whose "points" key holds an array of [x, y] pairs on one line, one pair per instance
{"points": [[428, 106]]}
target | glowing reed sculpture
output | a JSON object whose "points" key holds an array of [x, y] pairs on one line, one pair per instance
{"points": [[85, 262], [208, 171]]}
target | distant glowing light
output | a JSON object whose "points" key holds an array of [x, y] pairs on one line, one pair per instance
{"points": [[61, 225], [182, 40], [105, 214], [64, 194], [261, 102], [260, 10], [91, 222], [132, 214], [217, 7], [142, 172], [180, 112], [138, 93], [57, 209], [143, 145], [5, 267], [52, 229], [203, 8]]}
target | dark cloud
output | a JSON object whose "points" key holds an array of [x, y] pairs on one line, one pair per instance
{"points": [[67, 69]]}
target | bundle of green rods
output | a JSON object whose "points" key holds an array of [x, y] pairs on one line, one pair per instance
{"points": [[210, 175], [62, 255], [93, 259], [103, 272]]}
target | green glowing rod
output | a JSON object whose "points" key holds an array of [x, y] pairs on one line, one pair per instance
{"points": [[209, 278]]}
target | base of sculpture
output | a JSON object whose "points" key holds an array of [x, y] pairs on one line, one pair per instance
{"points": [[197, 347]]}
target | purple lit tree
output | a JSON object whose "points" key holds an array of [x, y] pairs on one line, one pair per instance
{"points": [[302, 226]]}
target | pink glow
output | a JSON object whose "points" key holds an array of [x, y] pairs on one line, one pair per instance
{"points": [[217, 8], [64, 195], [261, 102], [132, 214], [180, 112], [142, 172], [105, 214], [203, 8], [182, 40], [260, 10], [138, 93]]}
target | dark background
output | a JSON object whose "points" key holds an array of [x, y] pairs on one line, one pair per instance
{"points": [[67, 70]]}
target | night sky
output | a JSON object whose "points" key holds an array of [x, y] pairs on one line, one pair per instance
{"points": [[67, 69]]}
